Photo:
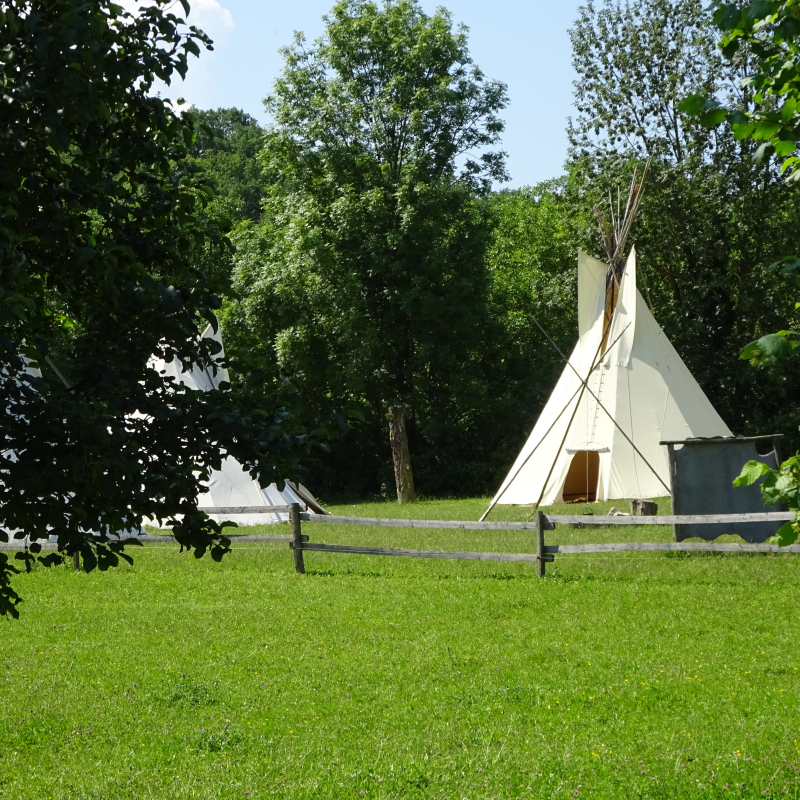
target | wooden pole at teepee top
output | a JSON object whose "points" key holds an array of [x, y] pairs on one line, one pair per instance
{"points": [[398, 438]]}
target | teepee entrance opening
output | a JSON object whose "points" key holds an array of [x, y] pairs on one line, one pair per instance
{"points": [[580, 485]]}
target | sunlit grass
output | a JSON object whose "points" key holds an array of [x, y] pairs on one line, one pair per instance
{"points": [[620, 675]]}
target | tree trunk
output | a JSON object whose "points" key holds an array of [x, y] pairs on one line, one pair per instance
{"points": [[398, 437]]}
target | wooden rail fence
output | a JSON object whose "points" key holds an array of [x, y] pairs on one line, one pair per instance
{"points": [[545, 522], [300, 543]]}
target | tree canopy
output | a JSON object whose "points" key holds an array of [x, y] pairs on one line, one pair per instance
{"points": [[387, 96], [97, 229], [636, 61], [225, 152]]}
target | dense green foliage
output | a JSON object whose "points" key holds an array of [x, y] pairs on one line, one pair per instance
{"points": [[635, 62], [224, 157], [780, 486], [764, 37], [618, 676], [225, 152], [530, 260], [98, 222], [366, 279]]}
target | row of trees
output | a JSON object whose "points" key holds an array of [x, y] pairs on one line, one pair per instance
{"points": [[380, 268]]}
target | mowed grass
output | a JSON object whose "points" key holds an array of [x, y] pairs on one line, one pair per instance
{"points": [[620, 675]]}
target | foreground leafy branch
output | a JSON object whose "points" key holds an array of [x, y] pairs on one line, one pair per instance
{"points": [[763, 36], [97, 226], [779, 486]]}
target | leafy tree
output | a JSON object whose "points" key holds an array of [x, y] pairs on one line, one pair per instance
{"points": [[98, 219], [225, 152], [367, 277], [531, 258], [765, 36], [712, 219], [637, 61], [224, 157]]}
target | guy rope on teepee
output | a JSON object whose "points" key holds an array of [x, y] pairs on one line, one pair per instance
{"points": [[624, 384]]}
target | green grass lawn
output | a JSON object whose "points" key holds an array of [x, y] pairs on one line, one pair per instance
{"points": [[623, 675]]}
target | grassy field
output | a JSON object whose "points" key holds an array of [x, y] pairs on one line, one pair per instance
{"points": [[622, 675]]}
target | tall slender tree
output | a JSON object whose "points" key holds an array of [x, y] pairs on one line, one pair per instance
{"points": [[367, 278]]}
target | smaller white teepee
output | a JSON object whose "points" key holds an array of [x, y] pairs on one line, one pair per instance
{"points": [[233, 485]]}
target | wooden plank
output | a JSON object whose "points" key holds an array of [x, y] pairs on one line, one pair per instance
{"points": [[385, 551], [19, 544], [723, 439], [233, 537], [217, 510], [19, 547], [650, 547], [381, 522], [643, 508], [696, 519]]}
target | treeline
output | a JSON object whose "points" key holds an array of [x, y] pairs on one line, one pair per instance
{"points": [[376, 262]]}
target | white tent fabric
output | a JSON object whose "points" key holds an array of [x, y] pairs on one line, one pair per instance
{"points": [[195, 378], [233, 485], [643, 383]]}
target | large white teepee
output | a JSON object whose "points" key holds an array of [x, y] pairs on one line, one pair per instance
{"points": [[642, 382], [232, 485]]}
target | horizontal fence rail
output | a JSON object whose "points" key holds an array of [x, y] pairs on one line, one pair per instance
{"points": [[550, 520], [159, 537], [19, 544], [245, 509], [682, 519], [654, 547], [388, 551], [381, 522]]}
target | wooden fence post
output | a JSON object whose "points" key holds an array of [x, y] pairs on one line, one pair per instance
{"points": [[297, 538], [540, 544], [76, 561]]}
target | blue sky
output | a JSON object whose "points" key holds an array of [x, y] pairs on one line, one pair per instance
{"points": [[523, 44]]}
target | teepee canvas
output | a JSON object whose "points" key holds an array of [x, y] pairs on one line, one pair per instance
{"points": [[233, 485], [576, 451]]}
